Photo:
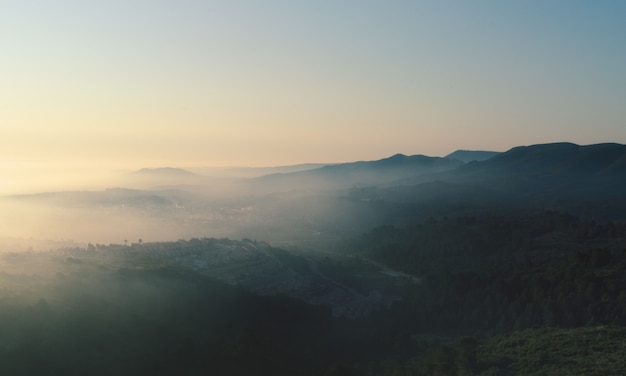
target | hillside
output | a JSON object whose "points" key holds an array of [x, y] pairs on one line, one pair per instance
{"points": [[556, 159], [363, 173], [585, 180], [467, 156], [588, 351]]}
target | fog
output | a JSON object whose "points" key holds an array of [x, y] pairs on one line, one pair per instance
{"points": [[88, 205], [35, 176], [181, 307], [303, 203]]}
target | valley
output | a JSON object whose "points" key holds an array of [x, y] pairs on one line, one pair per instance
{"points": [[407, 265]]}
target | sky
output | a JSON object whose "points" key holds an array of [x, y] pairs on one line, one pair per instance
{"points": [[148, 83]]}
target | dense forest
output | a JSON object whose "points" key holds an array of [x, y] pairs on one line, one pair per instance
{"points": [[492, 275]]}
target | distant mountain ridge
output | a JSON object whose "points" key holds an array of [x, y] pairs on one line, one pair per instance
{"points": [[557, 159], [587, 180], [396, 162], [344, 175], [165, 171], [467, 156], [253, 172]]}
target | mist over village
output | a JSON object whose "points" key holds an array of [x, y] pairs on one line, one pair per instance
{"points": [[329, 188]]}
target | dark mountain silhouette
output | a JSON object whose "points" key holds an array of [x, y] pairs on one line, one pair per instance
{"points": [[344, 175], [396, 166], [557, 163], [466, 156], [588, 180], [345, 198], [560, 168], [558, 158]]}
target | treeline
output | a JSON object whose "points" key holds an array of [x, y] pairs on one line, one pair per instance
{"points": [[477, 243], [587, 289], [483, 276], [585, 351]]}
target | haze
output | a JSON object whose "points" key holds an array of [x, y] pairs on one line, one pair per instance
{"points": [[93, 91], [350, 187]]}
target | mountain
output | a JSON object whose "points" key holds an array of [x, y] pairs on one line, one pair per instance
{"points": [[394, 167], [253, 172], [586, 180], [166, 177], [467, 156], [558, 159], [563, 168], [165, 172], [363, 173], [325, 203]]}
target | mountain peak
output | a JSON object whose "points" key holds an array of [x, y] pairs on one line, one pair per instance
{"points": [[467, 156], [397, 156]]}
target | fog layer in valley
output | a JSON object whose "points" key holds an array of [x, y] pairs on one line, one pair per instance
{"points": [[308, 203]]}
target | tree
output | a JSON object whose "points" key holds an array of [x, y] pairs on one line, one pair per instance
{"points": [[466, 356]]}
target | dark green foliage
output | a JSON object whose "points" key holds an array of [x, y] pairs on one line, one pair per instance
{"points": [[470, 244], [549, 351], [161, 322], [492, 275], [484, 284], [598, 350]]}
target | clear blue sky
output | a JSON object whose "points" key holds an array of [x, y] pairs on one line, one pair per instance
{"points": [[186, 82]]}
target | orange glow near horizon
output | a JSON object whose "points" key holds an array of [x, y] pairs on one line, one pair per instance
{"points": [[123, 86]]}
